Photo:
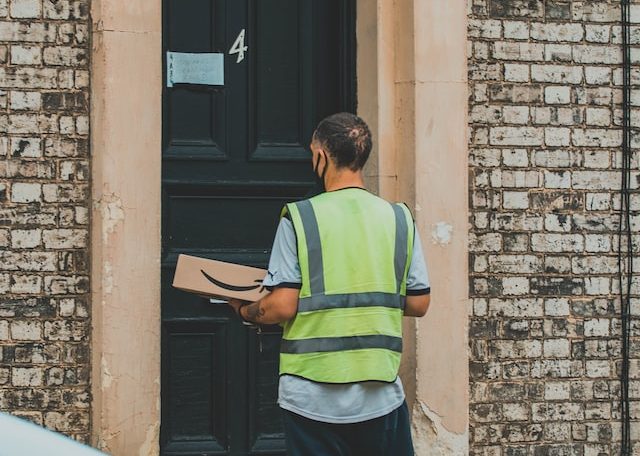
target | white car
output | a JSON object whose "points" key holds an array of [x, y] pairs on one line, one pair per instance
{"points": [[20, 437]]}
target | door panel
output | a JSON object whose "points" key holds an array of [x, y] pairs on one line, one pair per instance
{"points": [[233, 155]]}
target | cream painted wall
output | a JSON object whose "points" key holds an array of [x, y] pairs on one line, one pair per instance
{"points": [[412, 90], [125, 148]]}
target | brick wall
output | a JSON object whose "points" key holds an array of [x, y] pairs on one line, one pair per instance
{"points": [[545, 115], [44, 200]]}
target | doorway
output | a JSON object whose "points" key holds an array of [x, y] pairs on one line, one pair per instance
{"points": [[232, 156]]}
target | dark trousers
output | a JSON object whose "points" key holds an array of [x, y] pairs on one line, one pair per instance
{"points": [[388, 435]]}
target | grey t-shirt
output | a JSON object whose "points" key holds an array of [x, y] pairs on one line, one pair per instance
{"points": [[335, 403]]}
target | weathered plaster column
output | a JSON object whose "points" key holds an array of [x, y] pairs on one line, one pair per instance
{"points": [[440, 414], [412, 89], [126, 148]]}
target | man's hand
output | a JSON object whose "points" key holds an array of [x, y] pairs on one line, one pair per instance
{"points": [[237, 303]]}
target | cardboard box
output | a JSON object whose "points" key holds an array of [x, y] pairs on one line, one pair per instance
{"points": [[218, 279]]}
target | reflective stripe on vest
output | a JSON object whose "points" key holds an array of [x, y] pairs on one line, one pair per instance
{"points": [[349, 322]]}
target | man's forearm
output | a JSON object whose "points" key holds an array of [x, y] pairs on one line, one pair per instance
{"points": [[254, 312], [276, 307]]}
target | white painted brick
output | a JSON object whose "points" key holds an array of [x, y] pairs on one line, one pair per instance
{"points": [[598, 201], [515, 412], [594, 264], [490, 242], [515, 157], [596, 180], [25, 100], [65, 56], [26, 55], [596, 327], [597, 159], [599, 116], [67, 307], [554, 391], [557, 53], [518, 51], [516, 72], [516, 200], [557, 348], [25, 192], [81, 79], [82, 125], [520, 349], [26, 284], [64, 238], [82, 215], [557, 179], [557, 32], [598, 33], [552, 158], [557, 222], [26, 239], [515, 264], [26, 147], [26, 376], [557, 74], [57, 9], [26, 330], [515, 285], [596, 12], [515, 114], [597, 75], [550, 242], [602, 55], [556, 307], [5, 284], [556, 137], [517, 30], [516, 136], [595, 243], [25, 8], [557, 264], [557, 95], [598, 368], [597, 285], [67, 125]]}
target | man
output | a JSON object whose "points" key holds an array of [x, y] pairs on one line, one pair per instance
{"points": [[345, 267]]}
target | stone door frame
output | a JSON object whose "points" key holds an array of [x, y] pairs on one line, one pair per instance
{"points": [[412, 89]]}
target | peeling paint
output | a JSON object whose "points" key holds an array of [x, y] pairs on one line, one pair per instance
{"points": [[432, 438], [110, 205], [107, 278], [441, 233], [103, 441], [150, 444], [106, 375]]}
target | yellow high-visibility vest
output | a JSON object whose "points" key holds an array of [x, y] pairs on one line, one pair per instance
{"points": [[354, 251]]}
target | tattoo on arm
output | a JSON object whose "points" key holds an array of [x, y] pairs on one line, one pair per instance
{"points": [[255, 311]]}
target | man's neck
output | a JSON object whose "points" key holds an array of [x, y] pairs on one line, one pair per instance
{"points": [[343, 179]]}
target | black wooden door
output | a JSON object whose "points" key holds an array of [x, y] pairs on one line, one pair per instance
{"points": [[232, 156]]}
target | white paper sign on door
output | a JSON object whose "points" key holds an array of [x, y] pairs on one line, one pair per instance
{"points": [[205, 68]]}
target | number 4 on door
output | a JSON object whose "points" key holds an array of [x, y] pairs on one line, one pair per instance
{"points": [[239, 47]]}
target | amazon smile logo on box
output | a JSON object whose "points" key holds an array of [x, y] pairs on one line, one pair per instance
{"points": [[229, 287], [219, 279]]}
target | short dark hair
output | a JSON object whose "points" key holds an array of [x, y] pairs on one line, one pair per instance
{"points": [[347, 138]]}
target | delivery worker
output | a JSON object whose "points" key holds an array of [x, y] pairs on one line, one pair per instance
{"points": [[345, 267]]}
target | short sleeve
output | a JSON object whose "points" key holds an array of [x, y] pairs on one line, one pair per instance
{"points": [[418, 277], [284, 269]]}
